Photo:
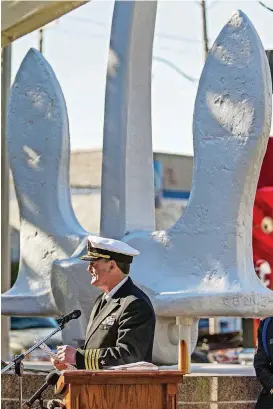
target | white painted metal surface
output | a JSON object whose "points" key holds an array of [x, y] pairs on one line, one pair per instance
{"points": [[202, 265], [22, 17], [127, 196], [38, 140]]}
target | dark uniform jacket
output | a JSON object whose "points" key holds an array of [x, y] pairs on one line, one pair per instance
{"points": [[264, 367], [121, 332]]}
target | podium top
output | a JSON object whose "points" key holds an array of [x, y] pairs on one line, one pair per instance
{"points": [[118, 377]]}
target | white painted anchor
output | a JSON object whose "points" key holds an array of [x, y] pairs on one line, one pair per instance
{"points": [[38, 142], [202, 266]]}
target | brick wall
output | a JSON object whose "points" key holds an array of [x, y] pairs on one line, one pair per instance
{"points": [[196, 392]]}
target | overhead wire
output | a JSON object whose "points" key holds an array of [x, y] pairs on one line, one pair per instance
{"points": [[265, 6], [171, 65], [161, 35]]}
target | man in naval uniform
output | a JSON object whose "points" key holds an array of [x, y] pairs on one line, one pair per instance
{"points": [[263, 363], [122, 321]]}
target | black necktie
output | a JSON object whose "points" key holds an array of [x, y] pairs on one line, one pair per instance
{"points": [[102, 303]]}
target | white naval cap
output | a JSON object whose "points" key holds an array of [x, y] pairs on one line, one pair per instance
{"points": [[102, 247]]}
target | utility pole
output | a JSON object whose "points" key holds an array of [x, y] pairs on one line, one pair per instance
{"points": [[5, 230], [42, 33], [205, 30], [41, 40]]}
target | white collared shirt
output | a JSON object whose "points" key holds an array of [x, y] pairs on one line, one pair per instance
{"points": [[115, 289]]}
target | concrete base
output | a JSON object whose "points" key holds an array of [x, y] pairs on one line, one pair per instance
{"points": [[220, 387]]}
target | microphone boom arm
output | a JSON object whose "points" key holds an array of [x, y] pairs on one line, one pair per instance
{"points": [[20, 357], [61, 321]]}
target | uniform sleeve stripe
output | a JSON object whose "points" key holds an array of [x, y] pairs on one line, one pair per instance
{"points": [[93, 359], [97, 359], [91, 352], [87, 359]]}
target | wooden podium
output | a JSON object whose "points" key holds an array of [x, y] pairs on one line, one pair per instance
{"points": [[119, 389]]}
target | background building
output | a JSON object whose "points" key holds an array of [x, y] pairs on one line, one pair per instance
{"points": [[173, 176]]}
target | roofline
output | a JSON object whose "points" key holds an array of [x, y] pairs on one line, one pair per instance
{"points": [[184, 155]]}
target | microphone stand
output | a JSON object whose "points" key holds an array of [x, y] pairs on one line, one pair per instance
{"points": [[19, 369], [17, 361], [40, 404], [20, 357]]}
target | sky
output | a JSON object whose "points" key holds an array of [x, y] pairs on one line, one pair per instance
{"points": [[76, 46]]}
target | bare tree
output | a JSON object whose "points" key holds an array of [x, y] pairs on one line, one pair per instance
{"points": [[205, 30], [41, 40]]}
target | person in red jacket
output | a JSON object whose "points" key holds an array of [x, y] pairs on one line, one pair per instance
{"points": [[262, 231]]}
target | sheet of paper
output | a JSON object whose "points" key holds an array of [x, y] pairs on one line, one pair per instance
{"points": [[49, 352], [136, 366]]}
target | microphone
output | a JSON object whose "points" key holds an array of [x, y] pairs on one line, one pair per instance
{"points": [[51, 379], [3, 363], [64, 319]]}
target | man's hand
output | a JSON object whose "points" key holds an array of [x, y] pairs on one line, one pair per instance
{"points": [[66, 354], [55, 403], [58, 365]]}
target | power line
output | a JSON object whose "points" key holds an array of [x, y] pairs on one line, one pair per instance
{"points": [[88, 21], [175, 68], [82, 34], [176, 38], [265, 6], [172, 49]]}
